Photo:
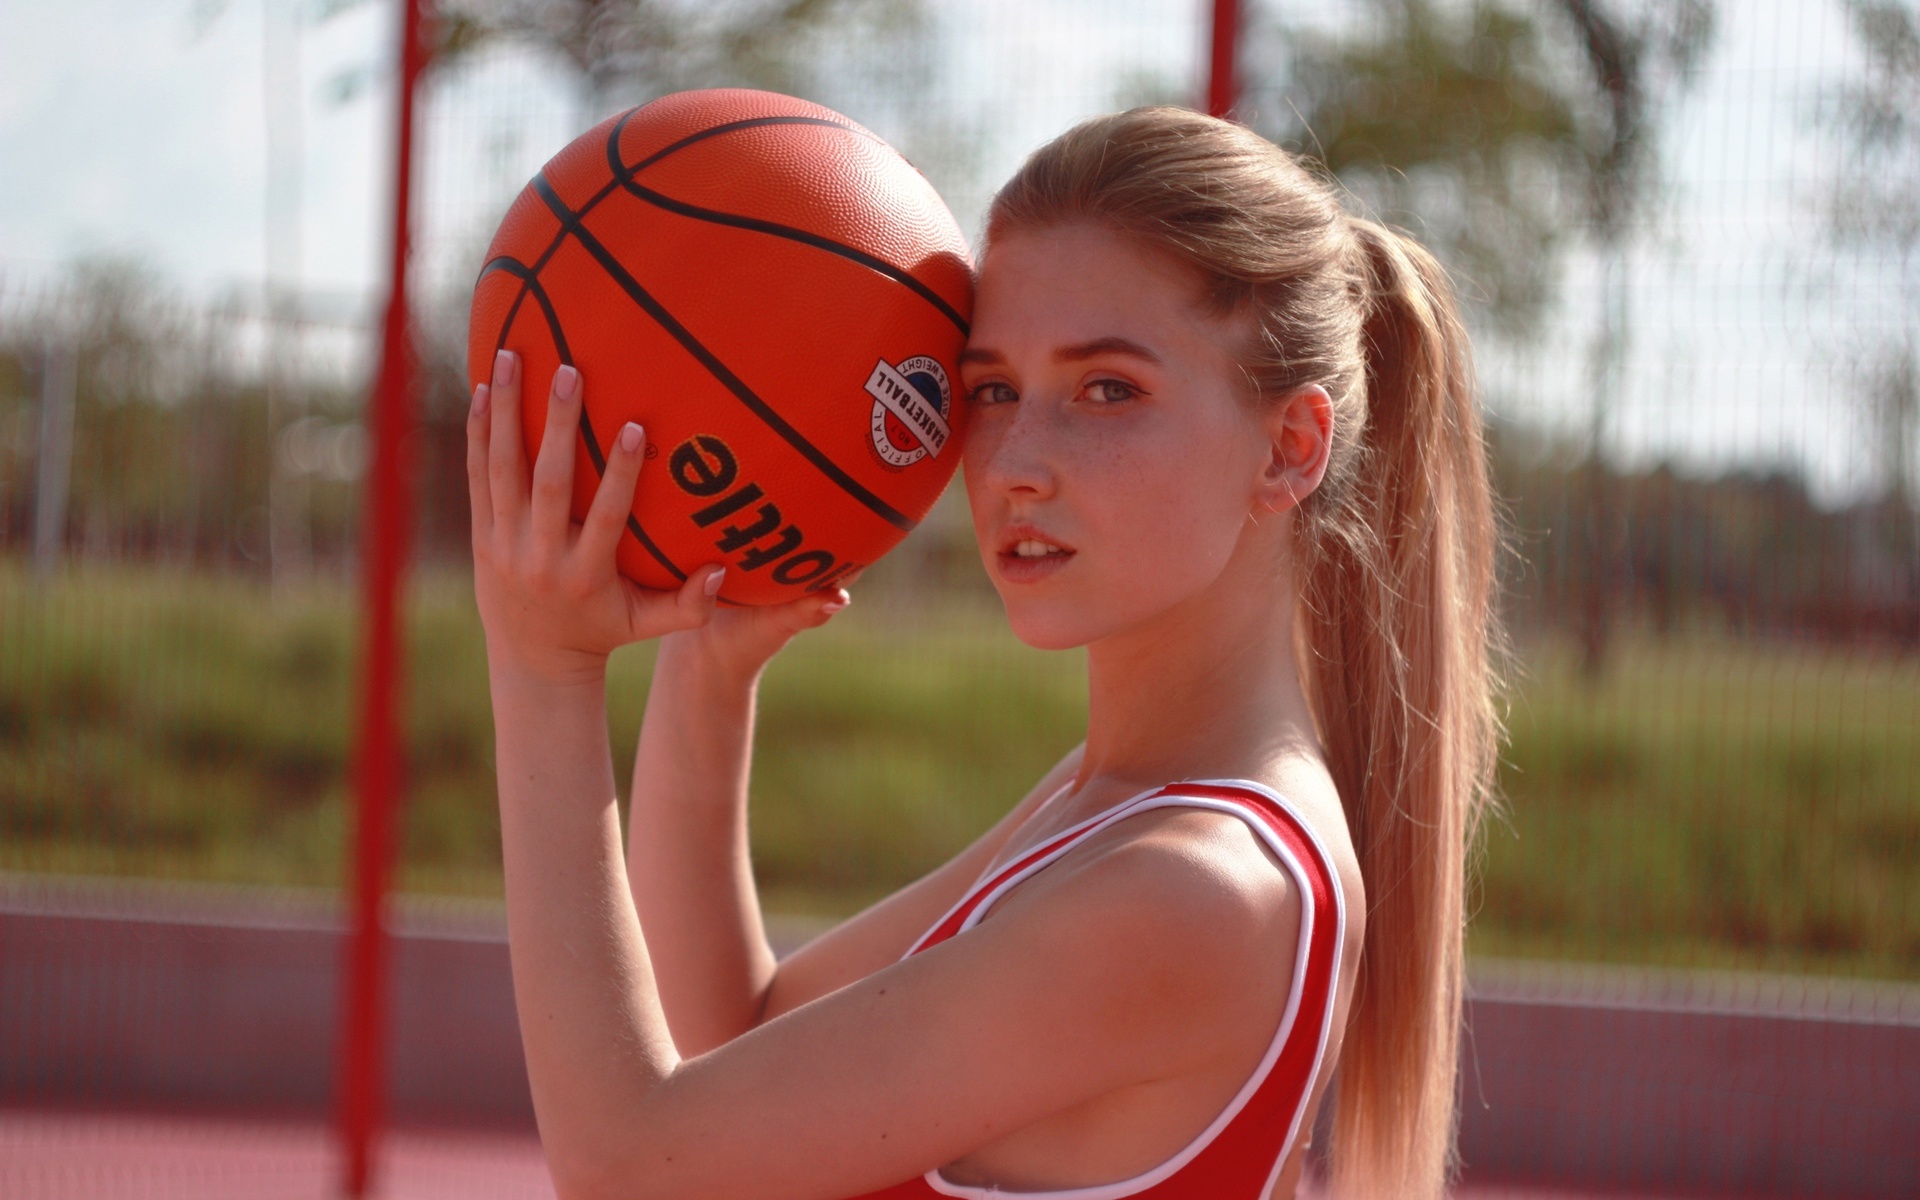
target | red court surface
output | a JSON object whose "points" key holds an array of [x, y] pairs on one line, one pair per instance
{"points": [[68, 1156]]}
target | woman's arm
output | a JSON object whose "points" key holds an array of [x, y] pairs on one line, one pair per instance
{"points": [[687, 851], [1076, 988], [687, 857], [553, 609], [877, 937]]}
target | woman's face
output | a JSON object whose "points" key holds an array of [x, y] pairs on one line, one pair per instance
{"points": [[1112, 463]]}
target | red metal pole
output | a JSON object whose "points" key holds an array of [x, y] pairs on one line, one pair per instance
{"points": [[1223, 85], [377, 749]]}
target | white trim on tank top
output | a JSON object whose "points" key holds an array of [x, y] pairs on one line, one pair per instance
{"points": [[1168, 796]]}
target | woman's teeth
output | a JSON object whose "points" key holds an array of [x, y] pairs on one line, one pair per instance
{"points": [[1030, 548]]}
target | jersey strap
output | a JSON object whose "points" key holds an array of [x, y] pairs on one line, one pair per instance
{"points": [[1243, 1150]]}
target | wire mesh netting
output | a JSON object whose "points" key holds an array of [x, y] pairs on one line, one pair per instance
{"points": [[1685, 231]]}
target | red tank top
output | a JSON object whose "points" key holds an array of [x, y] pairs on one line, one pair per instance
{"points": [[1240, 1154]]}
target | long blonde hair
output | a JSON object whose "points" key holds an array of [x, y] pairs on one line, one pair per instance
{"points": [[1394, 557]]}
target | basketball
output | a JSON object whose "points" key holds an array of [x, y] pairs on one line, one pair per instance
{"points": [[777, 297]]}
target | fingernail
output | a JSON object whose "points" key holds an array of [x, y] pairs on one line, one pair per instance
{"points": [[566, 383], [631, 436], [503, 363], [481, 395], [833, 606], [714, 580]]}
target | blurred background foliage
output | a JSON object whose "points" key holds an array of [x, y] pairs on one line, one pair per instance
{"points": [[1716, 801], [1715, 754]]}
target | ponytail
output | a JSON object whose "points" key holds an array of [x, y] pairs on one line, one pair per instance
{"points": [[1396, 604], [1394, 563]]}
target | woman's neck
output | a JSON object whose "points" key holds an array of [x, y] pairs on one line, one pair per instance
{"points": [[1209, 687]]}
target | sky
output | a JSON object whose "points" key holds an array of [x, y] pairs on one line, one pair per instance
{"points": [[124, 128], [138, 127]]}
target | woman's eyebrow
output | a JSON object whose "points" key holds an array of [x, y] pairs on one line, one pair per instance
{"points": [[975, 354], [1105, 345]]}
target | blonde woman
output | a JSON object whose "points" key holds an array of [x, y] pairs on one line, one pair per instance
{"points": [[1224, 436]]}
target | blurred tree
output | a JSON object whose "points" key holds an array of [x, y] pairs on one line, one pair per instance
{"points": [[1637, 53], [136, 353], [1876, 199], [1496, 128], [1491, 126], [1874, 205], [1452, 119], [169, 452], [873, 57], [625, 52]]}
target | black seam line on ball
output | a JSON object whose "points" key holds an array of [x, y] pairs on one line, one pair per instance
{"points": [[899, 275], [620, 127], [625, 176], [621, 173], [529, 283], [716, 368], [529, 275]]}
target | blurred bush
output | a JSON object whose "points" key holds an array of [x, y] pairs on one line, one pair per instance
{"points": [[1713, 802]]}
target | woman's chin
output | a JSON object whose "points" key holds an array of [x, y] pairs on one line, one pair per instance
{"points": [[1046, 626]]}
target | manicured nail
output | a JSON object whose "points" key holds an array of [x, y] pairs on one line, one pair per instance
{"points": [[631, 436], [566, 383], [712, 585], [834, 606], [481, 395], [503, 365]]}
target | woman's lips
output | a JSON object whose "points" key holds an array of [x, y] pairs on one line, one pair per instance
{"points": [[1029, 559]]}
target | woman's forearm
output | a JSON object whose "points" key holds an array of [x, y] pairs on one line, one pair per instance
{"points": [[687, 853], [595, 1037]]}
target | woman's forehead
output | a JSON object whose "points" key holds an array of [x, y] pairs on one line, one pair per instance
{"points": [[1078, 285]]}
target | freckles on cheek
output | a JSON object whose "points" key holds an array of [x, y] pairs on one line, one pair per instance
{"points": [[1169, 513], [1145, 501]]}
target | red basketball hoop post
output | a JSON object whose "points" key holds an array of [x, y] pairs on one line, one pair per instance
{"points": [[1223, 85], [377, 745]]}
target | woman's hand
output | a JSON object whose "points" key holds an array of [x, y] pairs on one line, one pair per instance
{"points": [[738, 642], [550, 599]]}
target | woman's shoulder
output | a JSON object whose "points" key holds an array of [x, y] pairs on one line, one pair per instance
{"points": [[1192, 884], [1182, 871], [1174, 910], [1218, 857]]}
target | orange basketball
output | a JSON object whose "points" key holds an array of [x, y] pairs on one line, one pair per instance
{"points": [[777, 297]]}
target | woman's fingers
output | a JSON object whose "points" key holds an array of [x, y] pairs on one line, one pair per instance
{"points": [[761, 632], [553, 466], [836, 600], [651, 614], [810, 611], [479, 497], [613, 501], [506, 450]]}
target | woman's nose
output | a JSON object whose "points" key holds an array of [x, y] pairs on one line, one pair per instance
{"points": [[1014, 451]]}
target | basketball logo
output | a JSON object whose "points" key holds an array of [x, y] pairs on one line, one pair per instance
{"points": [[911, 402]]}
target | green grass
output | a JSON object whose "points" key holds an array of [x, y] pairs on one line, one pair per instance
{"points": [[1708, 803], [1712, 803], [180, 726]]}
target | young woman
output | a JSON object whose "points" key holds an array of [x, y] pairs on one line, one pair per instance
{"points": [[1224, 436]]}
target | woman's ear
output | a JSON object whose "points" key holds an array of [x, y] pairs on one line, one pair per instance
{"points": [[1299, 429]]}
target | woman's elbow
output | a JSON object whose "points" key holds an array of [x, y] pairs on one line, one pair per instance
{"points": [[631, 1171]]}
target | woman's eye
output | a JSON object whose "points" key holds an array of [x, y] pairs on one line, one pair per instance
{"points": [[1111, 391], [993, 393]]}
